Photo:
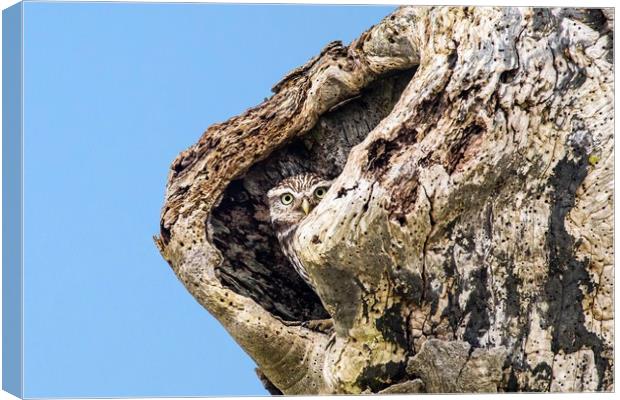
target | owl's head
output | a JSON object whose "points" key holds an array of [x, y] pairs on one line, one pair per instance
{"points": [[293, 198]]}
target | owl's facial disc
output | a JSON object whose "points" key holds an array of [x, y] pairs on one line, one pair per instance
{"points": [[293, 199]]}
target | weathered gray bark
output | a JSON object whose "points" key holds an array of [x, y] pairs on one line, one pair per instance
{"points": [[466, 243]]}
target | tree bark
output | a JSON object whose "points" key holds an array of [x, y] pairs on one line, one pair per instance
{"points": [[467, 241]]}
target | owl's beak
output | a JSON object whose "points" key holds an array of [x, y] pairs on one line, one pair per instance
{"points": [[305, 205]]}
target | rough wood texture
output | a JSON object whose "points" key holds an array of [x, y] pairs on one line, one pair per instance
{"points": [[471, 216], [450, 367]]}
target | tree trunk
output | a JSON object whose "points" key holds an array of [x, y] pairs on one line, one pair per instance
{"points": [[467, 241]]}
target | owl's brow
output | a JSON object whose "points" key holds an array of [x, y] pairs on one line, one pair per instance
{"points": [[322, 183], [298, 184], [280, 191]]}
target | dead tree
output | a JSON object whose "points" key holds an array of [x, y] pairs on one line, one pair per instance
{"points": [[466, 243]]}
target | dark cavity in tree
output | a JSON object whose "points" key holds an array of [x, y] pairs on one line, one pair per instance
{"points": [[253, 264]]}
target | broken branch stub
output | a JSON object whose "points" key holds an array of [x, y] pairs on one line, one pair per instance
{"points": [[471, 210]]}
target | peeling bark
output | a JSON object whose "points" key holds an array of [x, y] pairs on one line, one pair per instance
{"points": [[466, 243]]}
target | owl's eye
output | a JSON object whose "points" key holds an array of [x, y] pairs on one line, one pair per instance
{"points": [[286, 199], [320, 192]]}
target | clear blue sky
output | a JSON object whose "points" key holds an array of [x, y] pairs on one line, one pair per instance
{"points": [[112, 93]]}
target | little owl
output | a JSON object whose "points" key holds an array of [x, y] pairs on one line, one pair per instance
{"points": [[289, 203]]}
